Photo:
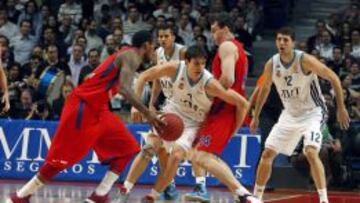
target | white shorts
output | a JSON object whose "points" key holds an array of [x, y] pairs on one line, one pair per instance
{"points": [[187, 137], [288, 131]]}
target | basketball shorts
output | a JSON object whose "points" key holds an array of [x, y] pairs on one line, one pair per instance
{"points": [[216, 131], [288, 131], [81, 129]]}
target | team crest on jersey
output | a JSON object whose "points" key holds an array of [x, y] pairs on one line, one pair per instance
{"points": [[278, 72], [181, 86], [205, 140]]}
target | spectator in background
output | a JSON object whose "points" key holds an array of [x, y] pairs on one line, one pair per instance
{"points": [[93, 40], [80, 40], [253, 15], [58, 104], [347, 48], [325, 46], [23, 43], [332, 24], [109, 48], [120, 38], [337, 62], [315, 40], [52, 61], [71, 9], [355, 76], [7, 56], [185, 29], [76, 63], [116, 23], [134, 22], [345, 35], [93, 62], [355, 43], [241, 33], [355, 109], [105, 28], [13, 13], [7, 28], [163, 9], [40, 110], [66, 29], [31, 13], [45, 12], [22, 109], [15, 82]]}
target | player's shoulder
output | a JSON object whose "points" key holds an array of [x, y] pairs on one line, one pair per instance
{"points": [[228, 45]]}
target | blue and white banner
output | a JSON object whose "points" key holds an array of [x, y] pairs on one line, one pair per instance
{"points": [[24, 145]]}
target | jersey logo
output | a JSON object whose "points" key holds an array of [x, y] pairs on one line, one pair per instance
{"points": [[205, 140], [181, 86]]}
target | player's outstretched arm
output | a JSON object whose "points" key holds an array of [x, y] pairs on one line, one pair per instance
{"points": [[4, 87], [215, 89], [129, 63], [311, 64], [263, 93]]}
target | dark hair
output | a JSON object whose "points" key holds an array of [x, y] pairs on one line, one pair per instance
{"points": [[92, 50], [287, 31], [224, 20], [195, 52], [141, 37], [166, 27], [25, 21], [6, 39]]}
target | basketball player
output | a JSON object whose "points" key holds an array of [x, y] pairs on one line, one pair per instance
{"points": [[86, 122], [230, 68], [168, 51], [206, 160], [4, 88], [295, 75]]}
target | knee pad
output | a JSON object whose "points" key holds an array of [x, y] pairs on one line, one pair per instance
{"points": [[148, 151]]}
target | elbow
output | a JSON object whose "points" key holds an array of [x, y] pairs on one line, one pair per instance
{"points": [[227, 82]]}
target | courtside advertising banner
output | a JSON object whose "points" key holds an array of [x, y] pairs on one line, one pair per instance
{"points": [[24, 145]]}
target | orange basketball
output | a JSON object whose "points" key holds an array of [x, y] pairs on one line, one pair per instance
{"points": [[173, 129]]}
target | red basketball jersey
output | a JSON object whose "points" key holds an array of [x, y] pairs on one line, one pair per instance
{"points": [[241, 69], [102, 83]]}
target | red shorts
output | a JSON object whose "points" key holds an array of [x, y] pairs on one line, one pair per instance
{"points": [[216, 131], [81, 129]]}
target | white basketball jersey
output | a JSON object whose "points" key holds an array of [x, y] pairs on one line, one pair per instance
{"points": [[190, 99], [298, 92], [166, 82]]}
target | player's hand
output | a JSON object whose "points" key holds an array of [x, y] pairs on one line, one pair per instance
{"points": [[254, 125], [155, 120], [135, 115], [6, 102], [343, 118]]}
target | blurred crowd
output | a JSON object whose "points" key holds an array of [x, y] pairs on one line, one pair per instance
{"points": [[52, 41]]}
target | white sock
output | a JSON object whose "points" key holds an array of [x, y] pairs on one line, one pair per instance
{"points": [[106, 183], [30, 187], [323, 195], [155, 193], [259, 191], [200, 180], [241, 191], [128, 185]]}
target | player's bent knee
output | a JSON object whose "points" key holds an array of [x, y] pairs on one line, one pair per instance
{"points": [[268, 155], [178, 154], [148, 151], [311, 153]]}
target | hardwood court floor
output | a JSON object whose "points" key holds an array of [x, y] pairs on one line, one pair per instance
{"points": [[64, 192]]}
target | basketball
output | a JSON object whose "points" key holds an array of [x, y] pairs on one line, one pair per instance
{"points": [[173, 129]]}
